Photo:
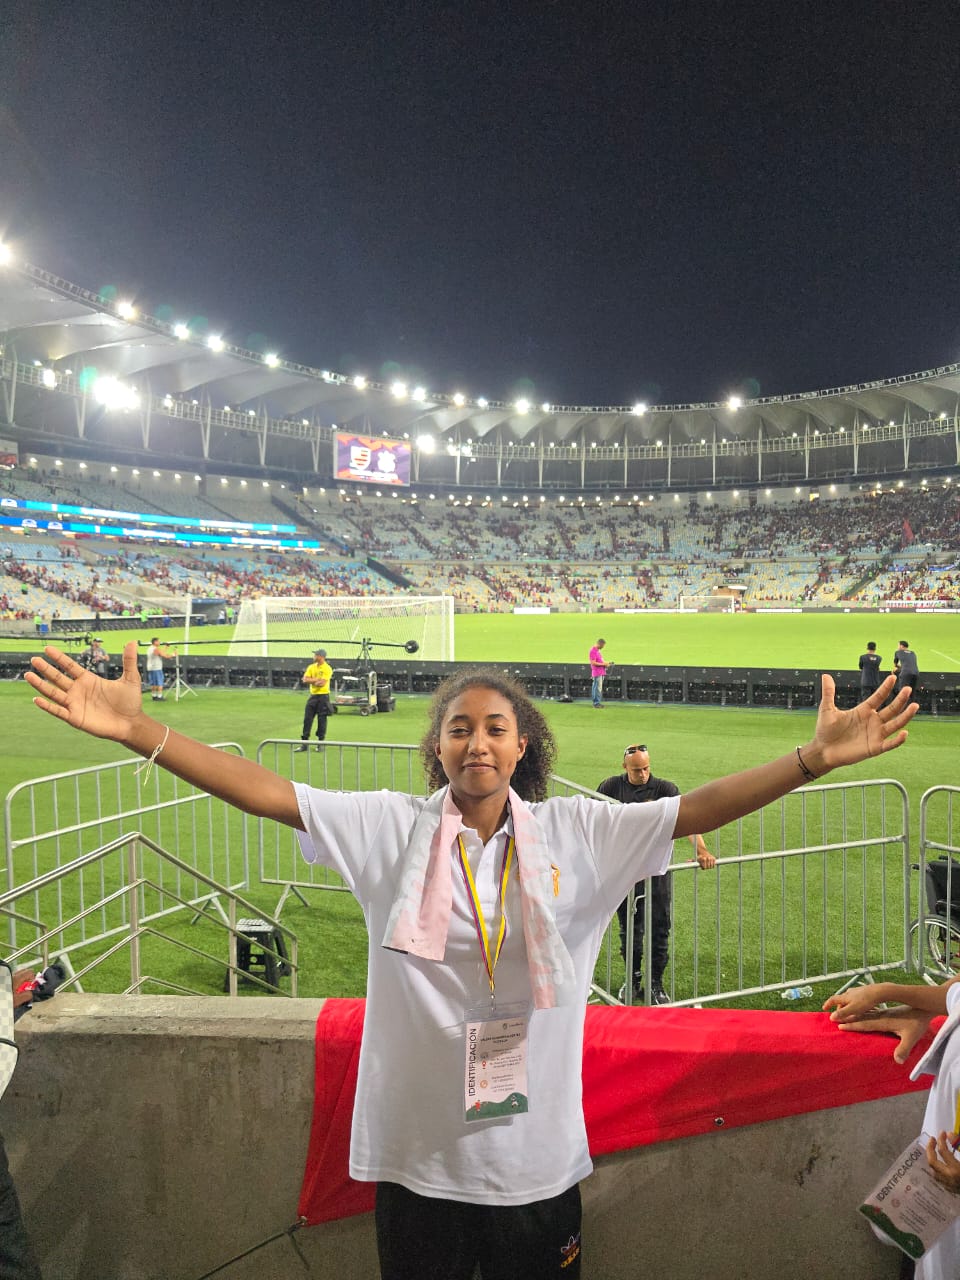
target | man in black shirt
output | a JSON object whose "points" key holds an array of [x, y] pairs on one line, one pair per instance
{"points": [[636, 785], [869, 671], [905, 665]]}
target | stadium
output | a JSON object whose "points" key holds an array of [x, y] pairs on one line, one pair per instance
{"points": [[160, 480]]}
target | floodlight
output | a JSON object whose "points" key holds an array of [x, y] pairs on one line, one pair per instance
{"points": [[83, 466], [483, 402], [459, 399], [6, 257], [114, 395], [545, 406], [177, 475], [265, 484], [360, 382], [523, 405], [181, 331], [419, 394], [659, 444], [639, 409], [113, 470], [426, 444], [58, 462], [271, 360], [48, 378], [941, 416], [734, 403], [126, 311], [399, 390], [215, 342], [243, 484]]}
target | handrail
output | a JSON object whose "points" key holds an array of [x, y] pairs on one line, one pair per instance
{"points": [[132, 842]]}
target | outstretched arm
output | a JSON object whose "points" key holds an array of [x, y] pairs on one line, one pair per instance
{"points": [[841, 738], [113, 709]]}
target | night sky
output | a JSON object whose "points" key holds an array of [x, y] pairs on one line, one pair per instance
{"points": [[585, 203]]}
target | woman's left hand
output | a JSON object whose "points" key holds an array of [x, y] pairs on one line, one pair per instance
{"points": [[868, 729]]}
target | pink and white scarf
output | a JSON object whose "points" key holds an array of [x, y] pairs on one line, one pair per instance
{"points": [[420, 915]]}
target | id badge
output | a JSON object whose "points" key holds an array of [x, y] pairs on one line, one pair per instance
{"points": [[495, 1064]]}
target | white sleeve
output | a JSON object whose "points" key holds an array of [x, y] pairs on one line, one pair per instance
{"points": [[341, 827]]}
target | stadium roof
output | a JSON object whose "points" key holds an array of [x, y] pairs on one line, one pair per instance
{"points": [[59, 337]]}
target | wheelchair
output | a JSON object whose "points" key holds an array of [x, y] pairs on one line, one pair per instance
{"points": [[940, 925]]}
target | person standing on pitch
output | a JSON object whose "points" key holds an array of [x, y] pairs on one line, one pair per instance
{"points": [[637, 785], [869, 671], [317, 676], [598, 669], [905, 668], [155, 657]]}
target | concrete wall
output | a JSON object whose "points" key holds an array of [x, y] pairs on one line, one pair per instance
{"points": [[155, 1138]]}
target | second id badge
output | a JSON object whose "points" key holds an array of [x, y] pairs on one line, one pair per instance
{"points": [[495, 1064]]}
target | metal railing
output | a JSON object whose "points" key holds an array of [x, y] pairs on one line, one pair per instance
{"points": [[813, 888], [935, 933], [52, 821], [132, 899]]}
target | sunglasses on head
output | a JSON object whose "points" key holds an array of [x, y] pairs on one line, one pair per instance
{"points": [[640, 746]]}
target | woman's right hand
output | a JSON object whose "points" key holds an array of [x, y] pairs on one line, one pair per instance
{"points": [[104, 708]]}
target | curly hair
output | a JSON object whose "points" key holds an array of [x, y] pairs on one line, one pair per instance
{"points": [[533, 768]]}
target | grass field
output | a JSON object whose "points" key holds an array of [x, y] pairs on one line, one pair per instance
{"points": [[826, 641], [688, 744]]}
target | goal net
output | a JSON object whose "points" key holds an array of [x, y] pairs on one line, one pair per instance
{"points": [[289, 626], [163, 610], [707, 604]]}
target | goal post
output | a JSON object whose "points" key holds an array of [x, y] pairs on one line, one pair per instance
{"points": [[707, 604], [286, 626]]}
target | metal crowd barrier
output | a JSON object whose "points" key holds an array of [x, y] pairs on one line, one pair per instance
{"points": [[814, 888], [935, 933], [51, 821]]}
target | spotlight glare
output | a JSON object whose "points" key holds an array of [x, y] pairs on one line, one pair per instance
{"points": [[483, 402], [459, 399], [48, 378], [426, 444], [360, 382], [126, 311], [734, 403], [271, 360], [522, 405], [639, 409], [215, 342], [399, 390], [419, 394], [181, 331]]}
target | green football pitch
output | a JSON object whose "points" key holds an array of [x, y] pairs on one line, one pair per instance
{"points": [[825, 641], [688, 744]]}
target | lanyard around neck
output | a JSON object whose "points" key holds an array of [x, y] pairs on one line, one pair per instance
{"points": [[490, 956]]}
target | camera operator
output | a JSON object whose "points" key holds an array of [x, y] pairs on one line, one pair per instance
{"points": [[99, 658], [17, 1259]]}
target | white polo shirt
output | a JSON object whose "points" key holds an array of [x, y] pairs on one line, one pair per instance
{"points": [[408, 1124]]}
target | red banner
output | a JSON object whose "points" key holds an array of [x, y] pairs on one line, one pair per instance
{"points": [[649, 1075]]}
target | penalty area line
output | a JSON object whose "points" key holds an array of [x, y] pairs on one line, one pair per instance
{"points": [[941, 654]]}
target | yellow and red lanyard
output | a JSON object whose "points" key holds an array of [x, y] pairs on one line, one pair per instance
{"points": [[490, 956]]}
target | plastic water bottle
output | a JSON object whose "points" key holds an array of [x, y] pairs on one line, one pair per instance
{"points": [[796, 993]]}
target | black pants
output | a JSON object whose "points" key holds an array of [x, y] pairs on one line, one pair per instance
{"points": [[419, 1238], [660, 943], [318, 704], [17, 1259]]}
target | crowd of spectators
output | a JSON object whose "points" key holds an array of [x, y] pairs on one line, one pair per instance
{"points": [[861, 549]]}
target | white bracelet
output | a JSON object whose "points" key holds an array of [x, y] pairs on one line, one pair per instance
{"points": [[148, 764]]}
